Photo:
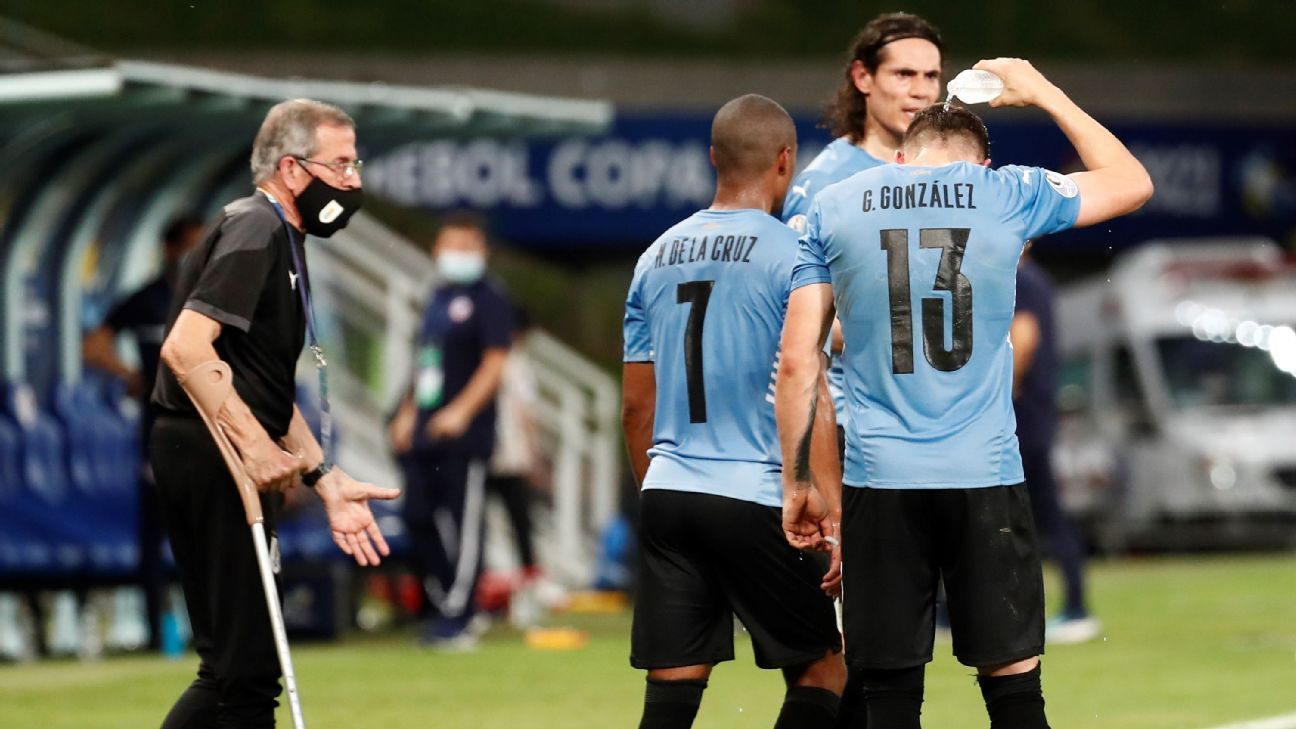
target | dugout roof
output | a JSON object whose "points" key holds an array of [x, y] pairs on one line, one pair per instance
{"points": [[99, 154]]}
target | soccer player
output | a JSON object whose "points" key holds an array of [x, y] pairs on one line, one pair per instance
{"points": [[919, 261], [702, 323], [894, 71]]}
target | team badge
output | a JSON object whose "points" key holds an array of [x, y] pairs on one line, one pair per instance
{"points": [[330, 212], [461, 307]]}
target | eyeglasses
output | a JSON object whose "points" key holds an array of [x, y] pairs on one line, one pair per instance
{"points": [[345, 169]]}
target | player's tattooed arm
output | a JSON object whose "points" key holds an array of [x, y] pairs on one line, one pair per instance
{"points": [[825, 464], [825, 458], [802, 474], [1114, 182], [796, 408]]}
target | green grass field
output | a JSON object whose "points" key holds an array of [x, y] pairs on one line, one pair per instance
{"points": [[1190, 644]]}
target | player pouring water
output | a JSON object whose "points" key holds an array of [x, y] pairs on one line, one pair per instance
{"points": [[918, 261]]}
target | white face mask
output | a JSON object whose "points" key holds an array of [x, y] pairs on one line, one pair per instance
{"points": [[461, 266]]}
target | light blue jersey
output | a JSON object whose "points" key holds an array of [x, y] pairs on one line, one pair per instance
{"points": [[706, 307], [923, 265], [839, 160]]}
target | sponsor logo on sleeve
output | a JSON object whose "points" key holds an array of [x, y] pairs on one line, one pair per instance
{"points": [[1065, 186]]}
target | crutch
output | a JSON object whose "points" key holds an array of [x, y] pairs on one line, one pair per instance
{"points": [[208, 385]]}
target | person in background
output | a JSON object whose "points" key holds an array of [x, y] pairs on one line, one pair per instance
{"points": [[444, 429], [1035, 366], [144, 315], [514, 464]]}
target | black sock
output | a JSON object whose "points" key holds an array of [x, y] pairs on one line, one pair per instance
{"points": [[851, 714], [1014, 702], [893, 698], [808, 707], [671, 704]]}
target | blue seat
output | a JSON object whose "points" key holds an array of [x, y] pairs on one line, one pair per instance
{"points": [[120, 466], [13, 532], [48, 537], [103, 513], [80, 426]]}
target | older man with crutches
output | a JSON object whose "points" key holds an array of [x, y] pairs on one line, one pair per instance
{"points": [[229, 439]]}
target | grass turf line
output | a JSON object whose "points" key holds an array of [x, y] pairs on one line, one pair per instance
{"points": [[1189, 643]]}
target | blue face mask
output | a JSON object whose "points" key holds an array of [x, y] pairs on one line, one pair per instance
{"points": [[462, 267]]}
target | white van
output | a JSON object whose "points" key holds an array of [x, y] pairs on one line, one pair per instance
{"points": [[1177, 395]]}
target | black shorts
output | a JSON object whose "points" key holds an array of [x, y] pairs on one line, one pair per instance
{"points": [[897, 544], [705, 558]]}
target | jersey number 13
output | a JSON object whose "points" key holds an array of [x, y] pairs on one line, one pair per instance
{"points": [[953, 242]]}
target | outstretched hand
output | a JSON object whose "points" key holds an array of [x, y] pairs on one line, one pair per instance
{"points": [[346, 501]]}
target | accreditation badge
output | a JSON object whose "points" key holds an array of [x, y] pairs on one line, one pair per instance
{"points": [[430, 383]]}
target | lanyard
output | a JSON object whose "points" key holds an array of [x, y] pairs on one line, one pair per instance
{"points": [[321, 365]]}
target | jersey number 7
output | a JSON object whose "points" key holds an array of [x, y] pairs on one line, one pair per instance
{"points": [[953, 241], [697, 293]]}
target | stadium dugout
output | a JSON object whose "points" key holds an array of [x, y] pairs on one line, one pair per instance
{"points": [[99, 154]]}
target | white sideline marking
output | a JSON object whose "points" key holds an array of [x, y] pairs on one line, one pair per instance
{"points": [[1286, 721]]}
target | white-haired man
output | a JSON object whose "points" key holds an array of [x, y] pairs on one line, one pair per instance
{"points": [[243, 298]]}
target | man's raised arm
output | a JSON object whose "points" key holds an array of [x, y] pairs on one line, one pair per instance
{"points": [[1115, 183]]}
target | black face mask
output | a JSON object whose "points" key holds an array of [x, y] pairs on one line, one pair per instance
{"points": [[325, 209]]}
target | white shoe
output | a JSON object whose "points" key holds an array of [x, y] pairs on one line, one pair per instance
{"points": [[1069, 631], [128, 626], [464, 642], [64, 632], [13, 644], [479, 625], [525, 608], [550, 594]]}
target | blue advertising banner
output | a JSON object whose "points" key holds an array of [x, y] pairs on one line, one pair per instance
{"points": [[650, 170]]}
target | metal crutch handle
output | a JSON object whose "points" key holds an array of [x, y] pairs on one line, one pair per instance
{"points": [[208, 385]]}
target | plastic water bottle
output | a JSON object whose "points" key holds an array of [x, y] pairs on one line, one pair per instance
{"points": [[974, 86]]}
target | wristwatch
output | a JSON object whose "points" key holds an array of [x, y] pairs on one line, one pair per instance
{"points": [[312, 477]]}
